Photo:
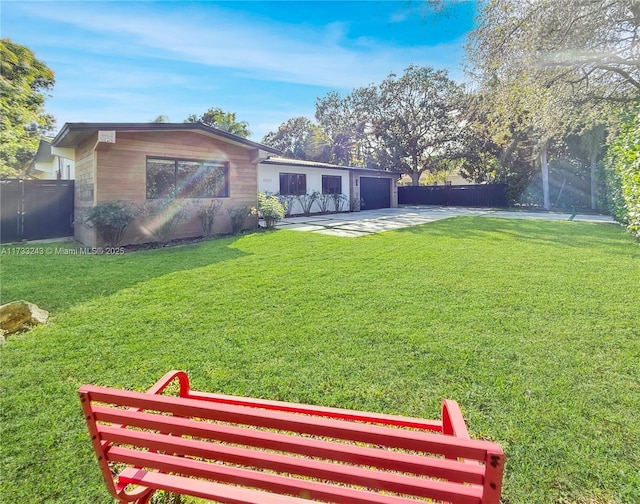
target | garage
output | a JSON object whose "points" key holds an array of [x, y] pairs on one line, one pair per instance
{"points": [[375, 193]]}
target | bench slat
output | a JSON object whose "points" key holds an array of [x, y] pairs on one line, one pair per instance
{"points": [[353, 454], [338, 413], [286, 485], [448, 446], [348, 474], [204, 489]]}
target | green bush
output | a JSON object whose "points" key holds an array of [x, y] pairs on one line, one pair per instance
{"points": [[110, 219], [207, 215], [270, 209], [238, 216], [622, 172]]}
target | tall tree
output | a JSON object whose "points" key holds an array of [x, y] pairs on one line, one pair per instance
{"points": [[557, 62], [24, 84], [297, 138], [590, 45], [225, 121], [414, 121], [342, 123]]}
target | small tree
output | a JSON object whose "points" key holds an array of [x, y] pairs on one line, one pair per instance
{"points": [[323, 202], [307, 201], [339, 200], [287, 201], [207, 214], [270, 209], [110, 219]]}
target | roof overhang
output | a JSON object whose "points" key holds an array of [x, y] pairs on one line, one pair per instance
{"points": [[73, 134]]}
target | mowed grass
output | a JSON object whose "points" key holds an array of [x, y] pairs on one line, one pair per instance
{"points": [[532, 326]]}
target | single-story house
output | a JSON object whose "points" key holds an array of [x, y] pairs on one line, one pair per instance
{"points": [[363, 188], [143, 162], [48, 166]]}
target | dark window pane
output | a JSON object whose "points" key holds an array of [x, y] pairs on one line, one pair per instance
{"points": [[160, 178], [293, 183], [331, 184], [213, 181], [189, 179]]}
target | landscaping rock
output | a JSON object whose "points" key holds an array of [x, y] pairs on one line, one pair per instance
{"points": [[19, 316]]}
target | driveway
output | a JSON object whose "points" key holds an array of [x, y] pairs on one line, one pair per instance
{"points": [[354, 224]]}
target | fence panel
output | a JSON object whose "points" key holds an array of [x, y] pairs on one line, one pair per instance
{"points": [[36, 209], [479, 195]]}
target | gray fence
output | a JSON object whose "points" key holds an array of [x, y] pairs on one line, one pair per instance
{"points": [[35, 209], [478, 195]]}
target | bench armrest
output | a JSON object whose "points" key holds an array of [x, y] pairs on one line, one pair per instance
{"points": [[167, 379]]}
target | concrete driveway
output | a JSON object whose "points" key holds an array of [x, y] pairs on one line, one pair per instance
{"points": [[354, 224]]}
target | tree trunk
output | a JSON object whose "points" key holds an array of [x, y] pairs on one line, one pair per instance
{"points": [[594, 180], [544, 166], [415, 178]]}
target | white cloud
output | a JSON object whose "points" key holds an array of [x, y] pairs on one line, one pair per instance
{"points": [[216, 37]]}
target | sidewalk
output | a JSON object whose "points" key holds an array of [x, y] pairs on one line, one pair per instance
{"points": [[354, 224]]}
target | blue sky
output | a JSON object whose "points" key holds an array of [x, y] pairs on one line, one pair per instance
{"points": [[123, 61]]}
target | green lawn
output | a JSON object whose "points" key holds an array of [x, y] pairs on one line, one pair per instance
{"points": [[532, 326]]}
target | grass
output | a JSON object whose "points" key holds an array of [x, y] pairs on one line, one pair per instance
{"points": [[532, 326]]}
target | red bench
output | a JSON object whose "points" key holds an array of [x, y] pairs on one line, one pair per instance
{"points": [[251, 451]]}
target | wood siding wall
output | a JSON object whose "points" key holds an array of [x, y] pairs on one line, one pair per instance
{"points": [[121, 175], [84, 190]]}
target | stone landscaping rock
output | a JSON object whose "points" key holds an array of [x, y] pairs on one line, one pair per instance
{"points": [[19, 316]]}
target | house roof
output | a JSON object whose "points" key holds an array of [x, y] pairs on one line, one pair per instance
{"points": [[43, 154], [72, 134], [282, 161]]}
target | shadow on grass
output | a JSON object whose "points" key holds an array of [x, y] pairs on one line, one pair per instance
{"points": [[56, 281]]}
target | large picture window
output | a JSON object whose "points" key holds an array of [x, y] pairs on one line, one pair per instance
{"points": [[331, 184], [293, 183], [187, 179]]}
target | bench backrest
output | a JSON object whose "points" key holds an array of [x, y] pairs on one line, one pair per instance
{"points": [[323, 454]]}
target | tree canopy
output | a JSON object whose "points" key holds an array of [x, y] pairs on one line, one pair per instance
{"points": [[24, 83], [409, 123], [550, 70], [225, 121]]}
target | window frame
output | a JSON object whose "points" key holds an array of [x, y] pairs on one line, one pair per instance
{"points": [[288, 184], [223, 193], [326, 185]]}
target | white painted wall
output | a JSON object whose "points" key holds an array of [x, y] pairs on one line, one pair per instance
{"points": [[269, 181], [49, 171]]}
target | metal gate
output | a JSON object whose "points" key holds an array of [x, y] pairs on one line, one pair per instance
{"points": [[35, 209]]}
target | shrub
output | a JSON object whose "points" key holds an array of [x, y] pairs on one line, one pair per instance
{"points": [[163, 217], [207, 215], [307, 201], [622, 171], [339, 200], [238, 216], [287, 201], [323, 202], [270, 209], [110, 219]]}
